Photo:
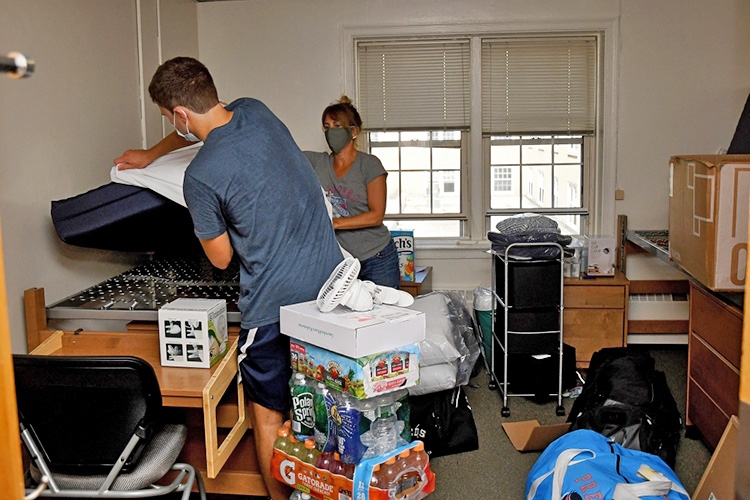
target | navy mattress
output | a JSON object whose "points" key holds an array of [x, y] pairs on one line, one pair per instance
{"points": [[124, 218]]}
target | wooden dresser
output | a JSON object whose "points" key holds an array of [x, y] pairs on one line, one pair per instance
{"points": [[595, 314], [714, 350]]}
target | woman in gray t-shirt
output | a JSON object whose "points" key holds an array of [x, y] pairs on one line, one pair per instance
{"points": [[355, 184]]}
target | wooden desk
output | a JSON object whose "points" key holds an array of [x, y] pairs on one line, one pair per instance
{"points": [[421, 285], [217, 444]]}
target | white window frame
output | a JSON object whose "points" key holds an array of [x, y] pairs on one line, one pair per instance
{"points": [[602, 169]]}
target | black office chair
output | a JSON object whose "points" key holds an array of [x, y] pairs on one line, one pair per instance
{"points": [[94, 427]]}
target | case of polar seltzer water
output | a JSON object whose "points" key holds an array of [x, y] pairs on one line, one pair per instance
{"points": [[404, 241]]}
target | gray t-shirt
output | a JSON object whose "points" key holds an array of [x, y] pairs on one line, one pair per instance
{"points": [[348, 197], [251, 180]]}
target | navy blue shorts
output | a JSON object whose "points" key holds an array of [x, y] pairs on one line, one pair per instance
{"points": [[265, 366]]}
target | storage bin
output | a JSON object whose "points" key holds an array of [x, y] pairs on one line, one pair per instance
{"points": [[534, 283]]}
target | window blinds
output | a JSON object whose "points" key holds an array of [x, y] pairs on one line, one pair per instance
{"points": [[414, 85], [539, 85]]}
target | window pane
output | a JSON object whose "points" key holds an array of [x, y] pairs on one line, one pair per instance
{"points": [[538, 186], [446, 158], [415, 158], [428, 228], [505, 155], [415, 192], [383, 136], [392, 201], [415, 136], [388, 156], [569, 185], [446, 197]]}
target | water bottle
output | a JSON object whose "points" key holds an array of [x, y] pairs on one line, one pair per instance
{"points": [[325, 430], [350, 446], [296, 495], [303, 409]]}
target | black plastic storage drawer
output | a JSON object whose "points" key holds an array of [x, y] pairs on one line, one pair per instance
{"points": [[534, 283], [534, 330], [535, 374]]}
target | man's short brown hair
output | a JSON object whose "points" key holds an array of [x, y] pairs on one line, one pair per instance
{"points": [[183, 81]]}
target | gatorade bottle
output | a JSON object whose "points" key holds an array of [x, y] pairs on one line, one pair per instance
{"points": [[310, 454], [282, 440], [324, 460], [296, 447], [337, 466], [303, 410]]}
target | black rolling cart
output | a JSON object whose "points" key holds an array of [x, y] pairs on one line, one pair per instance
{"points": [[527, 322]]}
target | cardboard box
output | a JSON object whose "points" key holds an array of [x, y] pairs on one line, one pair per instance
{"points": [[717, 482], [193, 332], [404, 241], [528, 435], [601, 256], [352, 333], [363, 377], [708, 208]]}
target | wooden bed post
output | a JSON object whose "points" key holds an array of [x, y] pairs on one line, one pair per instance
{"points": [[36, 317]]}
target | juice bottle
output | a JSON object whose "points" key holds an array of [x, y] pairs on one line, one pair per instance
{"points": [[303, 411], [376, 480], [389, 473], [282, 440], [310, 454], [419, 458]]}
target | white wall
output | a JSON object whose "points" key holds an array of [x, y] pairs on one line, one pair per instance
{"points": [[683, 79], [61, 128]]}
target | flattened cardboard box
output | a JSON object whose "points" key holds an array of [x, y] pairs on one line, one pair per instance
{"points": [[708, 208], [529, 435], [717, 482]]}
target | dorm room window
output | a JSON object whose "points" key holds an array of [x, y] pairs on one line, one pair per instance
{"points": [[537, 122]]}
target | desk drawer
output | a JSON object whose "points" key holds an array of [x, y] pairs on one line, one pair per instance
{"points": [[715, 376], [704, 414], [594, 296], [717, 325]]}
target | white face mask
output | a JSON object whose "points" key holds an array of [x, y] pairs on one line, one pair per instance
{"points": [[187, 136]]}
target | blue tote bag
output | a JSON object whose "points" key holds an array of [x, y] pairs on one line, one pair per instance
{"points": [[586, 465]]}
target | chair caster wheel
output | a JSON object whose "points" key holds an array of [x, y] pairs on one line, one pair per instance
{"points": [[560, 411], [505, 412], [492, 386]]}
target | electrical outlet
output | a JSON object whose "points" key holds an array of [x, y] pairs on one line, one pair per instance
{"points": [[619, 194]]}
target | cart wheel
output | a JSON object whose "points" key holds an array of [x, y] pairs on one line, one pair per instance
{"points": [[560, 411], [492, 385], [505, 412]]}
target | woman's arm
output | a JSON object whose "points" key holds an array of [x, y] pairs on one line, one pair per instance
{"points": [[377, 190]]}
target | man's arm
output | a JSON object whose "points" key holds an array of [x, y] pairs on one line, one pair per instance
{"points": [[218, 250], [140, 158]]}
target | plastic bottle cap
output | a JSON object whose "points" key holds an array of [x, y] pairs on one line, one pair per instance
{"points": [[309, 444], [419, 446], [391, 461], [376, 468], [283, 431], [404, 454]]}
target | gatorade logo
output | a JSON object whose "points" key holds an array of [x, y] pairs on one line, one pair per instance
{"points": [[286, 468]]}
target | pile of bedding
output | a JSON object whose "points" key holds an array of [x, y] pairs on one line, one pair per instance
{"points": [[450, 348]]}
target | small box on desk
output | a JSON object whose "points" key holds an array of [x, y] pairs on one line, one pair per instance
{"points": [[708, 200], [193, 332], [601, 256], [404, 241]]}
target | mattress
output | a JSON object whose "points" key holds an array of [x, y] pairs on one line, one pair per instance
{"points": [[124, 218]]}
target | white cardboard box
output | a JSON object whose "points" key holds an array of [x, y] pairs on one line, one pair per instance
{"points": [[193, 332], [601, 256], [352, 333]]}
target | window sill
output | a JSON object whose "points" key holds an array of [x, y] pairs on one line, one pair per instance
{"points": [[444, 248]]}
